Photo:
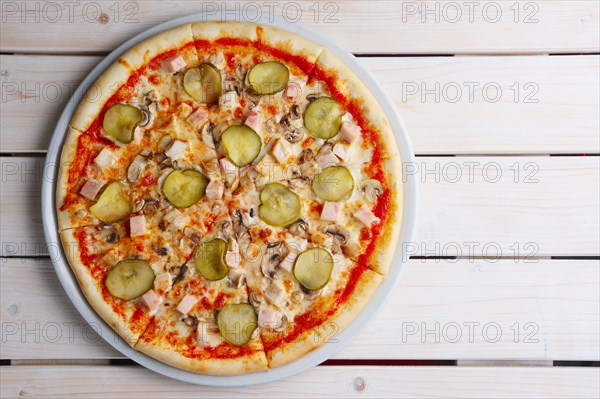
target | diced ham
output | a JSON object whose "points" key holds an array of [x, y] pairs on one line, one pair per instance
{"points": [[233, 259], [280, 150], [331, 211], [292, 91], [215, 189], [365, 216], [349, 131], [163, 282], [137, 226], [229, 101], [227, 167], [275, 294], [327, 158], [174, 64], [268, 318], [288, 262], [105, 158], [152, 300], [254, 119], [90, 189], [199, 117], [176, 150], [342, 150], [296, 245], [187, 303]]}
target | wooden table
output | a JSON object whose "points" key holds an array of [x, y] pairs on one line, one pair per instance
{"points": [[501, 295]]}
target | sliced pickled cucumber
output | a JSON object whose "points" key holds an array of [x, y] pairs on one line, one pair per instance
{"points": [[237, 323], [210, 259], [279, 206], [241, 144], [323, 117], [313, 267], [183, 188], [129, 279], [268, 77], [112, 203], [334, 183], [120, 121], [203, 83]]}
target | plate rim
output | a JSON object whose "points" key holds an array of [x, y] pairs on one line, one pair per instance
{"points": [[311, 359]]}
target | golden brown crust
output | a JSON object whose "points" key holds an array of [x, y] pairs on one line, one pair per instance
{"points": [[90, 287], [313, 338], [248, 363]]}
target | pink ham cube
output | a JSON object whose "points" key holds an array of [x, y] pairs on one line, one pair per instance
{"points": [[292, 91], [174, 64], [288, 262], [187, 303], [254, 119], [349, 131], [137, 226], [152, 300], [327, 158], [199, 117], [365, 216], [331, 211], [267, 318], [90, 189], [215, 189]]}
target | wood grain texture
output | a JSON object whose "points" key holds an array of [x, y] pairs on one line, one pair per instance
{"points": [[468, 207], [442, 309], [340, 382], [359, 26], [450, 105]]}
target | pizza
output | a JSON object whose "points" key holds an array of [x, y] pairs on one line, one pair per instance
{"points": [[229, 197]]}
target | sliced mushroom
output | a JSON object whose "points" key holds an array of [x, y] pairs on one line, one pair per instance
{"points": [[162, 251], [240, 73], [295, 112], [306, 155], [164, 143], [271, 259], [299, 228], [285, 120], [136, 167], [232, 84], [339, 236], [190, 321], [138, 206], [255, 300], [236, 278], [272, 126], [240, 222], [370, 189], [283, 323], [293, 135], [150, 206], [207, 135]]}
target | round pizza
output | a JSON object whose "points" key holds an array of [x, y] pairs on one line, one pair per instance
{"points": [[229, 197]]}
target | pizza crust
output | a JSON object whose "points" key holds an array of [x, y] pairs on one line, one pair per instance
{"points": [[253, 362], [311, 339], [66, 158], [92, 292]]}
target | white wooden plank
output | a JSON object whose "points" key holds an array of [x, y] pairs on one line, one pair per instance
{"points": [[334, 381], [442, 309], [360, 26], [451, 105], [469, 206]]}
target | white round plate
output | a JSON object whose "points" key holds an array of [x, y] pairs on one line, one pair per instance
{"points": [[343, 338]]}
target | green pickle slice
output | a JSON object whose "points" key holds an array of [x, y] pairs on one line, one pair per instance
{"points": [[120, 121], [183, 188], [313, 268], [323, 117], [279, 206], [203, 83], [334, 183], [112, 203], [210, 259], [268, 77], [237, 322], [241, 144], [129, 279]]}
